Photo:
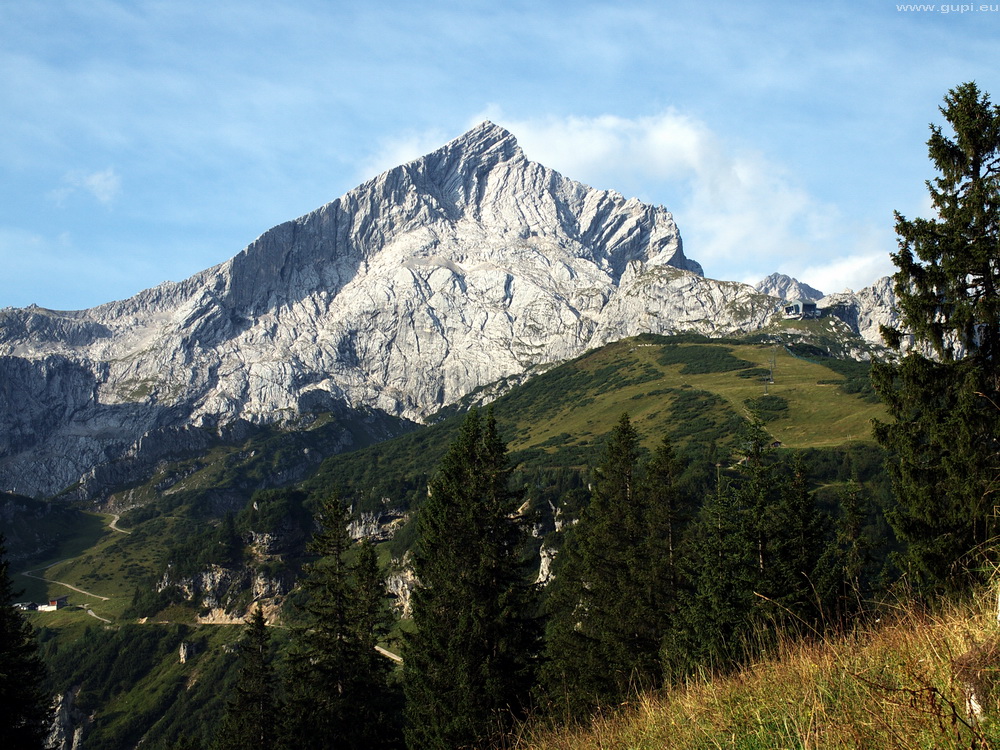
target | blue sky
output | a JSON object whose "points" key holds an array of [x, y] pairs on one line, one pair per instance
{"points": [[145, 141]]}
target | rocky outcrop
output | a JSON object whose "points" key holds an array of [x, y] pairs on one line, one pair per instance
{"points": [[225, 595], [376, 527], [546, 556], [400, 582], [68, 723], [867, 310]]}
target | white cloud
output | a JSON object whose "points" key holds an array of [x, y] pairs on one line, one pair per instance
{"points": [[104, 185], [852, 272]]}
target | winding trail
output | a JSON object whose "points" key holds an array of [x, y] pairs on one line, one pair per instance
{"points": [[31, 574], [113, 525], [93, 614]]}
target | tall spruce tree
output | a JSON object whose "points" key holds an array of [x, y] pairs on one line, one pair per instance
{"points": [[25, 707], [591, 633], [469, 666], [614, 596], [944, 395], [794, 530], [724, 569], [669, 514], [336, 684], [252, 711], [847, 565], [756, 546]]}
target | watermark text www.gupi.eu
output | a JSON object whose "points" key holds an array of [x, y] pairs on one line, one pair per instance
{"points": [[962, 8]]}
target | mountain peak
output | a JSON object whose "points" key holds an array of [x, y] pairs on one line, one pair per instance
{"points": [[452, 271], [485, 138], [785, 287], [487, 130]]}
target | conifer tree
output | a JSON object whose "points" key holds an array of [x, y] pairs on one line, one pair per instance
{"points": [[944, 395], [336, 683], [756, 545], [794, 530], [614, 596], [468, 668], [252, 711], [672, 510], [25, 708], [844, 583], [669, 515], [724, 569], [374, 620]]}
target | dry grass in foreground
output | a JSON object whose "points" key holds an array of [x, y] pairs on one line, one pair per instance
{"points": [[903, 683]]}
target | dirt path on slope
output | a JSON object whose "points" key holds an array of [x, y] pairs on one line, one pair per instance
{"points": [[31, 574], [114, 524], [94, 614]]}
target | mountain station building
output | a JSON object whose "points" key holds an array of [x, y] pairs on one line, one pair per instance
{"points": [[801, 308]]}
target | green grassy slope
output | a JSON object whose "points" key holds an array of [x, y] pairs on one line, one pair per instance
{"points": [[686, 387], [648, 377]]}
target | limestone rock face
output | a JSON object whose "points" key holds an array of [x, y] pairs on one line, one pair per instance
{"points": [[68, 722], [866, 310], [463, 267]]}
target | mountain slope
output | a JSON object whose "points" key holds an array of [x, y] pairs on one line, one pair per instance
{"points": [[465, 266], [690, 389]]}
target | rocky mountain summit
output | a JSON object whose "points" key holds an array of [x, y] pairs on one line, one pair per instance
{"points": [[785, 287], [455, 270]]}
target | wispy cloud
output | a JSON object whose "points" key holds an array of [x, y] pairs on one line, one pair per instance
{"points": [[104, 185]]}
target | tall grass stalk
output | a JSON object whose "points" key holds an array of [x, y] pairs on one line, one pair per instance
{"points": [[897, 683]]}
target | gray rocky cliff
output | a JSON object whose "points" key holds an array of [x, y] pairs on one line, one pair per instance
{"points": [[68, 723], [227, 595], [865, 311], [461, 268]]}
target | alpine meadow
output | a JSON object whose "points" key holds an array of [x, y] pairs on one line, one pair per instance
{"points": [[475, 456]]}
